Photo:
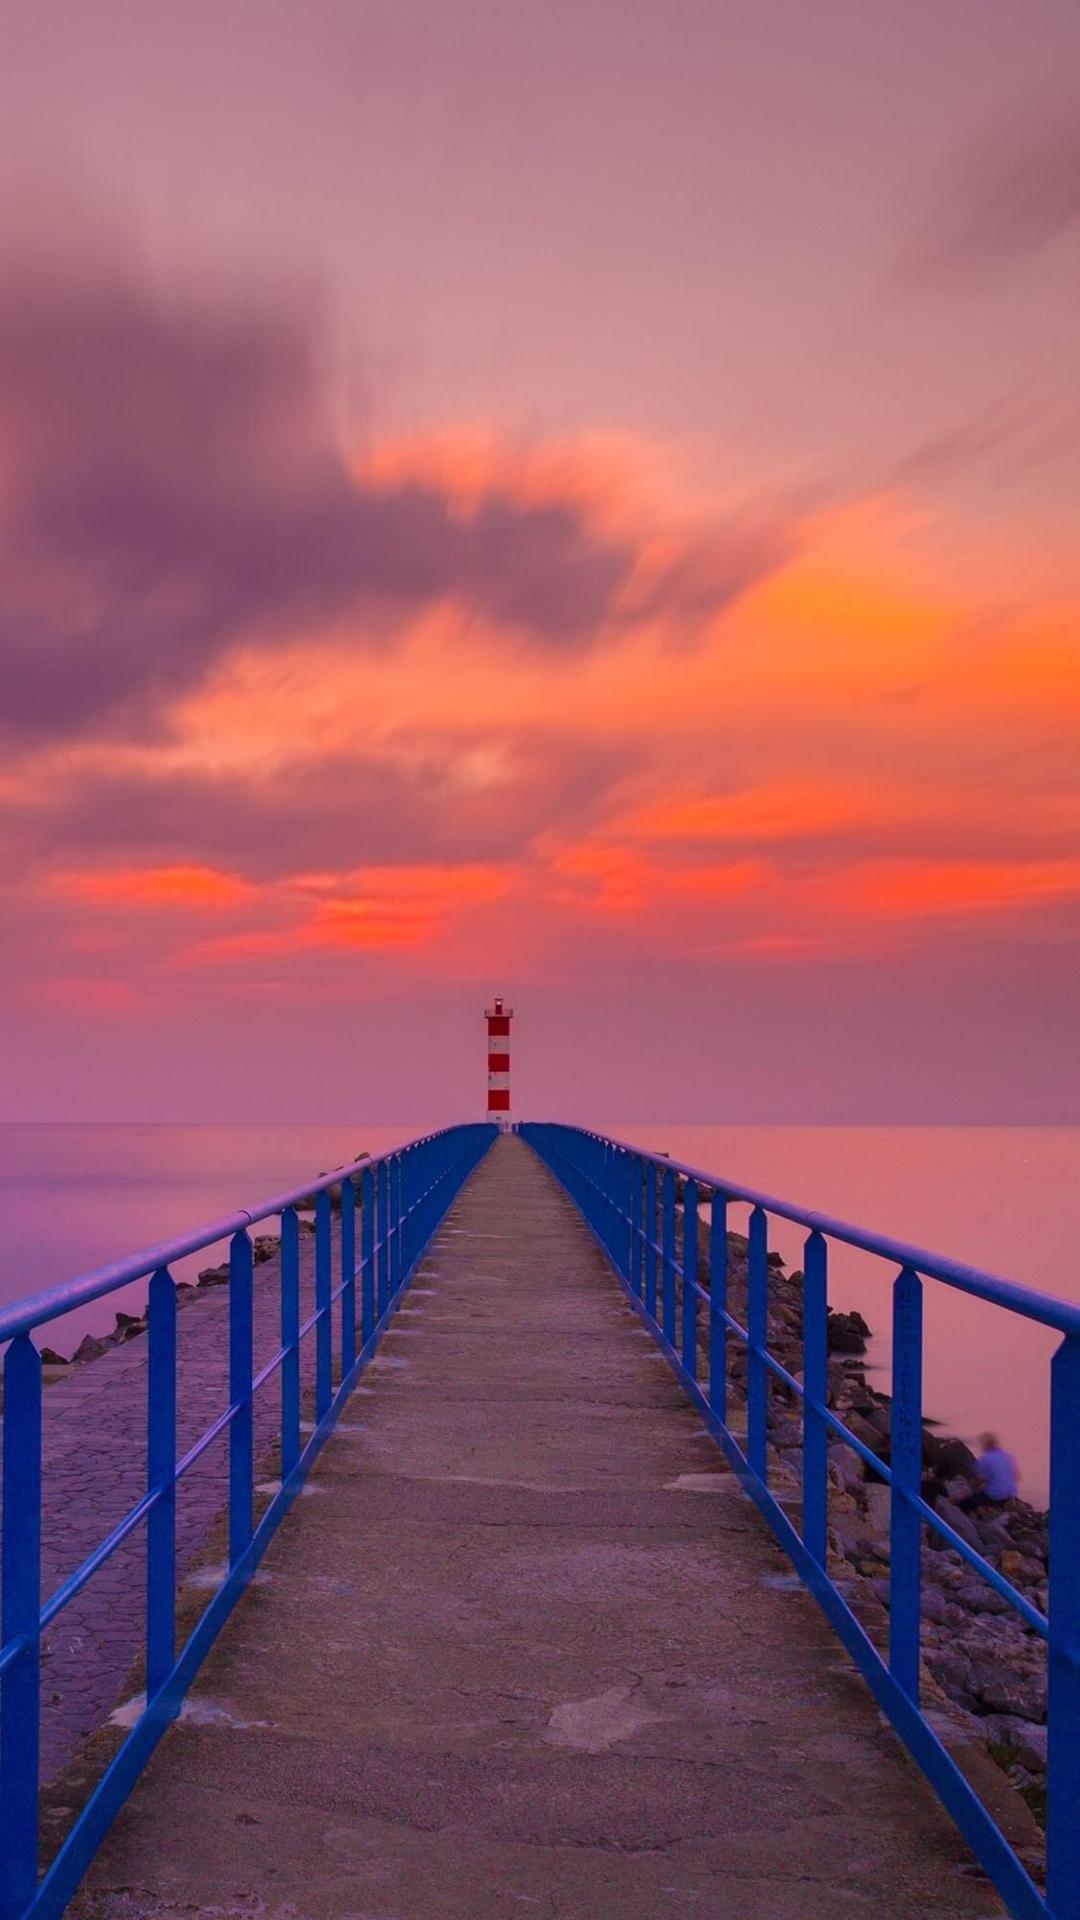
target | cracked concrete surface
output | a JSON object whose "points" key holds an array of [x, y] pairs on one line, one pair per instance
{"points": [[514, 1661]]}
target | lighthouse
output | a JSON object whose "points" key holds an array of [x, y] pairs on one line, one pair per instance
{"points": [[498, 1019]]}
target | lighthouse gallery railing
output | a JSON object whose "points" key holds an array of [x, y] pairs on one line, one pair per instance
{"points": [[629, 1199], [403, 1195]]}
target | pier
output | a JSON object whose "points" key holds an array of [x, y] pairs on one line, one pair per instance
{"points": [[511, 1606]]}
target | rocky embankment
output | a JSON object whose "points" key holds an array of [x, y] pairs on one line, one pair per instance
{"points": [[983, 1666]]}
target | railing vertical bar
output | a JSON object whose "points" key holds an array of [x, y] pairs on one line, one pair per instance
{"points": [[651, 1230], [1063, 1717], [367, 1255], [635, 1226], [161, 1479], [757, 1381], [905, 1550], [403, 1220], [241, 1427], [718, 1290], [395, 1224], [815, 1320], [20, 1602], [626, 1201], [323, 1290], [667, 1207], [348, 1275], [290, 1340], [690, 1267], [383, 1243]]}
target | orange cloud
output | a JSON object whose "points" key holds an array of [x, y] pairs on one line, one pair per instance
{"points": [[394, 909], [879, 741], [904, 889], [160, 886]]}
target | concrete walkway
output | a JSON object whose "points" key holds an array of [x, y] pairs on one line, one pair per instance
{"points": [[527, 1649]]}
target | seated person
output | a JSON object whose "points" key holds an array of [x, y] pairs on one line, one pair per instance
{"points": [[997, 1476]]}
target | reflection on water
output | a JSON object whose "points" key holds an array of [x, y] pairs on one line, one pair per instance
{"points": [[1004, 1198]]}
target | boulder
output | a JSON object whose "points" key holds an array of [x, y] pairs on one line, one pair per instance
{"points": [[847, 1333], [89, 1348], [867, 1425], [934, 1605], [949, 1458], [978, 1597], [953, 1673], [878, 1508], [1024, 1738], [128, 1325], [847, 1467], [1006, 1689], [960, 1523], [50, 1358]]}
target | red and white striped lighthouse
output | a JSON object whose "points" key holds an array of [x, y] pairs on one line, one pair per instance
{"points": [[498, 1020]]}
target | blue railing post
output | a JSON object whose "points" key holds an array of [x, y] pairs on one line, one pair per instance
{"points": [[348, 1276], [667, 1208], [323, 1290], [408, 1181], [20, 1697], [718, 1296], [905, 1554], [1063, 1717], [367, 1255], [383, 1246], [395, 1225], [635, 1226], [757, 1381], [815, 1320], [241, 1426], [689, 1284], [651, 1231], [161, 1480], [290, 1340]]}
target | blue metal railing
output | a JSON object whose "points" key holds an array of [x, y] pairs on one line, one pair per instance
{"points": [[629, 1199], [403, 1195]]}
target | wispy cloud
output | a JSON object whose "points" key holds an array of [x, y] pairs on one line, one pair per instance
{"points": [[1015, 193]]}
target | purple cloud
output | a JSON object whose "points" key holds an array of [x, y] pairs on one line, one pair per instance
{"points": [[171, 485], [322, 813]]}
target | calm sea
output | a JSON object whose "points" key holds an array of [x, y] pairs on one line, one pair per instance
{"points": [[75, 1196]]}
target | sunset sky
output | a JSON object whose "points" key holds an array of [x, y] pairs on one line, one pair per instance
{"points": [[574, 501]]}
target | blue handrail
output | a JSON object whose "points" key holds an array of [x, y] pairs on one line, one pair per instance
{"points": [[628, 1197], [403, 1195]]}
